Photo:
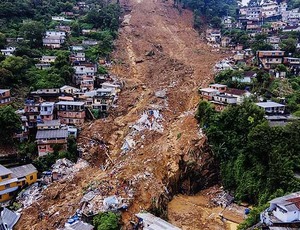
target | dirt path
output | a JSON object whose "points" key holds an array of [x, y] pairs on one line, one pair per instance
{"points": [[157, 49]]}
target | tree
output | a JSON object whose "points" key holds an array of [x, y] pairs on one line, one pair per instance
{"points": [[34, 32], [106, 221], [288, 45], [14, 64], [9, 122]]}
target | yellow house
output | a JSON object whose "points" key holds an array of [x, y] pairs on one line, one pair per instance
{"points": [[13, 178]]}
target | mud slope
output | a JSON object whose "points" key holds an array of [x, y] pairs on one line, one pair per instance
{"points": [[157, 49]]}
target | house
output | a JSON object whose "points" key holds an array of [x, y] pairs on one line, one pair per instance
{"points": [[55, 33], [224, 99], [66, 89], [76, 48], [90, 42], [253, 25], [291, 62], [46, 94], [66, 29], [32, 112], [23, 133], [54, 39], [71, 112], [292, 28], [60, 19], [42, 66], [14, 178], [103, 99], [77, 57], [87, 83], [47, 59], [282, 211], [107, 85], [53, 42], [47, 125], [239, 94], [221, 88], [8, 219], [5, 97], [274, 41], [8, 51], [46, 111], [270, 58], [269, 8], [271, 107], [26, 174], [213, 35], [247, 77], [208, 93], [227, 22], [85, 69], [47, 139], [254, 13], [150, 221], [78, 225]]}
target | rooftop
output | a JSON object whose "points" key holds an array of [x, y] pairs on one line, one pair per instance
{"points": [[78, 103], [52, 134], [4, 90], [289, 202], [23, 170], [155, 223], [208, 90], [217, 85], [4, 171], [49, 123], [269, 104]]}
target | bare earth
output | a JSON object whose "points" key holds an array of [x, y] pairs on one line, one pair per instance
{"points": [[157, 49]]}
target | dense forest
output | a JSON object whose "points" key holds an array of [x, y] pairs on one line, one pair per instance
{"points": [[257, 162]]}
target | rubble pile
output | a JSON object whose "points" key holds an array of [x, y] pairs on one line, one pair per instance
{"points": [[104, 195], [30, 195], [62, 169], [149, 120]]}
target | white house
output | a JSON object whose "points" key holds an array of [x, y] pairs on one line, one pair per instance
{"points": [[86, 69], [69, 89], [8, 51], [47, 59], [285, 209], [272, 107]]}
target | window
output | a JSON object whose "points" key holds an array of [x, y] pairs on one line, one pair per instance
{"points": [[7, 186], [11, 194], [4, 177], [31, 177]]}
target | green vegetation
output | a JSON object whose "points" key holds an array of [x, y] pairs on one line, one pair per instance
{"points": [[9, 124], [209, 11], [107, 221], [256, 161]]}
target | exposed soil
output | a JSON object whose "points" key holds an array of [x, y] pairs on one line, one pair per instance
{"points": [[157, 49]]}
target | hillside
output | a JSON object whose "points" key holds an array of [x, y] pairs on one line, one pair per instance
{"points": [[162, 61]]}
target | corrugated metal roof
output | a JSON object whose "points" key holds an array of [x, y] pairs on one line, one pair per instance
{"points": [[269, 104], [51, 134], [23, 170], [49, 123], [70, 103], [4, 171], [9, 218]]}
